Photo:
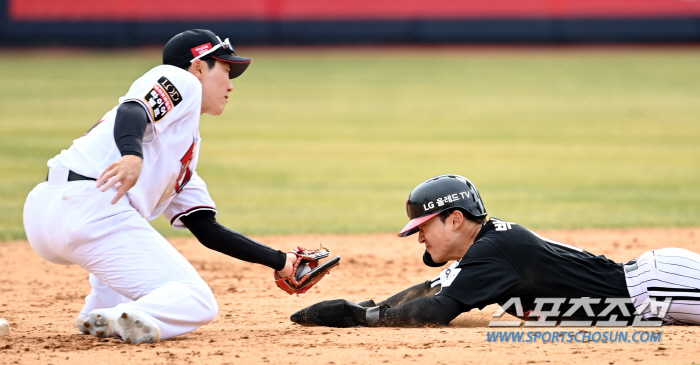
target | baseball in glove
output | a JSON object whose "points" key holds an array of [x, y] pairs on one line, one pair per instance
{"points": [[306, 271]]}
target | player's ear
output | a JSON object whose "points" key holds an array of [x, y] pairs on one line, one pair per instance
{"points": [[197, 68], [456, 219]]}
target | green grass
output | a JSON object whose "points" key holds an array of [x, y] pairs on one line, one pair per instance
{"points": [[333, 142]]}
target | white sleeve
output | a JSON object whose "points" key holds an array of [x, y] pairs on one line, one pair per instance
{"points": [[193, 198], [168, 94]]}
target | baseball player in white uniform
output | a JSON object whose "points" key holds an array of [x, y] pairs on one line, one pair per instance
{"points": [[137, 163]]}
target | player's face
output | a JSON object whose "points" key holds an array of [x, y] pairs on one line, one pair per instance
{"points": [[215, 88], [438, 238]]}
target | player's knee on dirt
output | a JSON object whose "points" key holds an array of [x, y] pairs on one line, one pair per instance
{"points": [[191, 301], [209, 307], [212, 311]]}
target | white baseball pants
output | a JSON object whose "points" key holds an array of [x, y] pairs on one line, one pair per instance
{"points": [[131, 265], [667, 273]]}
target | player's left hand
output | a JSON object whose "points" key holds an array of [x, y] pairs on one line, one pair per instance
{"points": [[305, 270], [125, 171]]}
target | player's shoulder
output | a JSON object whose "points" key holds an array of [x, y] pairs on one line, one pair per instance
{"points": [[499, 227], [497, 235], [170, 78], [165, 87]]}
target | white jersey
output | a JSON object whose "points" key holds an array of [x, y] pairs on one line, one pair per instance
{"points": [[168, 183]]}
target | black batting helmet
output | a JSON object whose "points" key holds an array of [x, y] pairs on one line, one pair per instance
{"points": [[438, 194]]}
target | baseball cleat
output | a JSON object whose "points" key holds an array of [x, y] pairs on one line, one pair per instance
{"points": [[82, 323], [135, 327], [131, 326], [100, 323]]}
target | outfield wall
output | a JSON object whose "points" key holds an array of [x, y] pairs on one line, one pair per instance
{"points": [[125, 23]]}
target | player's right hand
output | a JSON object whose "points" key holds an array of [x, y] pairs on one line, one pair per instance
{"points": [[125, 171]]}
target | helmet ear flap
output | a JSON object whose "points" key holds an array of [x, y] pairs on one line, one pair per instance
{"points": [[428, 260]]}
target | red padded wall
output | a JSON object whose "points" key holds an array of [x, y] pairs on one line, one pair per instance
{"points": [[144, 10]]}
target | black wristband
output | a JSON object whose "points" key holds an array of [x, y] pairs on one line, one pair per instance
{"points": [[374, 315]]}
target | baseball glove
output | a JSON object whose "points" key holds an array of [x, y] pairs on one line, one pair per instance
{"points": [[306, 271]]}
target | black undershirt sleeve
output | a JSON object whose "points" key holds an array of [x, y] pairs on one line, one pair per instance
{"points": [[214, 236], [129, 126], [417, 291], [432, 310]]}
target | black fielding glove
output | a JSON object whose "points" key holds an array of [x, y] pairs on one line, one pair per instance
{"points": [[332, 313]]}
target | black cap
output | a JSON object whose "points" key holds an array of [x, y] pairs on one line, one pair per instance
{"points": [[183, 48]]}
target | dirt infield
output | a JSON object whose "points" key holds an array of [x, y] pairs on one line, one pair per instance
{"points": [[40, 301]]}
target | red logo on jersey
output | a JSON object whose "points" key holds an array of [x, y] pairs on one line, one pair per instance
{"points": [[196, 51], [185, 172]]}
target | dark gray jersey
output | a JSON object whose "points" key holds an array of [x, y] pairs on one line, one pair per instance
{"points": [[508, 260]]}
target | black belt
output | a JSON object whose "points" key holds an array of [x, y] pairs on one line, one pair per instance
{"points": [[72, 176]]}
